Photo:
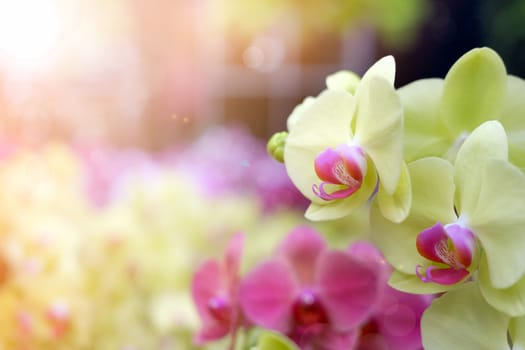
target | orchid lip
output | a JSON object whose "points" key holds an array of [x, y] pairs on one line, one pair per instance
{"points": [[452, 247], [219, 308], [342, 168], [308, 310]]}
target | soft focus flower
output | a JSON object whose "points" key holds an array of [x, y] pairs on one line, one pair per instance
{"points": [[214, 290], [343, 145], [317, 296], [441, 113], [395, 322], [465, 218]]}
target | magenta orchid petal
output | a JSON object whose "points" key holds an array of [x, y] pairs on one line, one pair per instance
{"points": [[331, 340], [445, 276], [369, 254], [345, 167], [348, 289], [206, 284], [266, 295], [301, 249], [396, 324], [463, 241], [429, 239], [212, 302], [210, 332], [233, 258], [321, 192], [452, 245]]}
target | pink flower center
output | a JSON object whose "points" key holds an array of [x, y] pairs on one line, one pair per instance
{"points": [[307, 310], [341, 170], [452, 247], [220, 309]]}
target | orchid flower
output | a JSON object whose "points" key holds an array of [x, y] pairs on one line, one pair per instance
{"points": [[317, 296], [441, 113], [395, 323], [214, 290], [465, 218], [344, 145]]}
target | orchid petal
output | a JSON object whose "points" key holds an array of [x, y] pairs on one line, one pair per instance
{"points": [[486, 141], [339, 208], [379, 129], [384, 68], [274, 341], [433, 193], [509, 300], [325, 123], [206, 283], [462, 319], [333, 340], [517, 333], [425, 134], [396, 206], [301, 248], [512, 119], [339, 275], [343, 80], [410, 283], [211, 332], [397, 241], [474, 90], [266, 295], [398, 319], [233, 257], [298, 111], [499, 221], [443, 275]]}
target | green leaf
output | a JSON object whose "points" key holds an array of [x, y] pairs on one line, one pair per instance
{"points": [[509, 300], [425, 134], [395, 207], [486, 141], [499, 221], [273, 341], [462, 319], [323, 124], [474, 90], [379, 129]]}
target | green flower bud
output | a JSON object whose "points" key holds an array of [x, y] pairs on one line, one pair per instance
{"points": [[276, 144]]}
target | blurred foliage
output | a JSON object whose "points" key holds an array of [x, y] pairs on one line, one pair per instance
{"points": [[396, 21]]}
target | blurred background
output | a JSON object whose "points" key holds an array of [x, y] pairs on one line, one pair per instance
{"points": [[156, 73], [132, 143]]}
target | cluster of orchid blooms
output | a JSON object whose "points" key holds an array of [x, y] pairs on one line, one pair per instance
{"points": [[437, 169]]}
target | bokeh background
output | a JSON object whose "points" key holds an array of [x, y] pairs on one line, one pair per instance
{"points": [[156, 73], [132, 143]]}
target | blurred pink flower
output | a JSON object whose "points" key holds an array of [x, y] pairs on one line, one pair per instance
{"points": [[214, 290], [395, 323], [317, 296]]}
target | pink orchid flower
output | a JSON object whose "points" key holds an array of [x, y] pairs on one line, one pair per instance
{"points": [[317, 296], [395, 323], [214, 291]]}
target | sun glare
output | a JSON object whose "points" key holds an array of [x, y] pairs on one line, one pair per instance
{"points": [[29, 34]]}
